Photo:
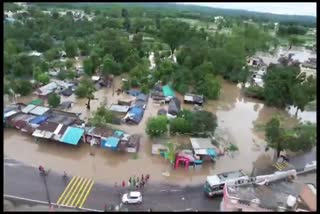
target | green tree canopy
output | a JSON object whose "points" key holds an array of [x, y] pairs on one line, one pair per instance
{"points": [[54, 100], [156, 126], [180, 125], [85, 88]]}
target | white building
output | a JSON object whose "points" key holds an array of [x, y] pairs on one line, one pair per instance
{"points": [[269, 193]]}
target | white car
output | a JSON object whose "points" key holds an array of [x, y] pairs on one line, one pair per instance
{"points": [[132, 198]]}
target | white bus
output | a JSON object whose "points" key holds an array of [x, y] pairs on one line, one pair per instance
{"points": [[215, 183]]}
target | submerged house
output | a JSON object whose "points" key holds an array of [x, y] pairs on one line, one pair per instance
{"points": [[46, 90], [174, 106], [194, 99], [72, 135], [134, 115], [204, 148], [94, 135], [141, 101]]}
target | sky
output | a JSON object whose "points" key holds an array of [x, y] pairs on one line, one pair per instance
{"points": [[287, 8]]}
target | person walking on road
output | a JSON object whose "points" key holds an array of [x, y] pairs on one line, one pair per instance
{"points": [[123, 184], [142, 178], [137, 183], [147, 177], [133, 182]]}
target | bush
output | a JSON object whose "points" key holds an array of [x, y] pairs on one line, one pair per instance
{"points": [[180, 125], [156, 126], [254, 92], [54, 100]]}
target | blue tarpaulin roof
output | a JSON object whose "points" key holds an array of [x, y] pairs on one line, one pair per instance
{"points": [[212, 152], [39, 119], [136, 114], [110, 142], [72, 135]]}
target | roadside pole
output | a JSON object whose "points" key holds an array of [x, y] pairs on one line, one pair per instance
{"points": [[47, 190]]}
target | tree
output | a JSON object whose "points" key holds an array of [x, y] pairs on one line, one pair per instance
{"points": [[156, 126], [273, 134], [295, 41], [127, 24], [54, 100], [180, 125], [88, 66], [172, 150], [43, 78], [157, 20], [203, 121], [23, 87], [101, 117], [110, 66], [71, 75], [299, 138], [71, 47], [69, 63], [124, 13], [87, 10], [83, 47], [85, 88], [278, 83], [254, 91], [174, 33], [209, 87]]}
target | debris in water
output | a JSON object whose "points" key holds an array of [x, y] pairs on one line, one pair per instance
{"points": [[166, 174]]}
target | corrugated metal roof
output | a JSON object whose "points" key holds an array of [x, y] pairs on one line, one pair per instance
{"points": [[72, 135], [119, 108], [28, 108], [39, 110], [10, 113], [48, 126], [201, 143], [49, 87], [101, 132]]}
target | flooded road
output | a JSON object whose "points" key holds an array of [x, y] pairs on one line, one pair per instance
{"points": [[237, 117]]}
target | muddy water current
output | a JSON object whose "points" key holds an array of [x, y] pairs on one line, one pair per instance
{"points": [[237, 117]]}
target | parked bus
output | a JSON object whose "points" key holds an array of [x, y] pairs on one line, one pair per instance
{"points": [[215, 183]]}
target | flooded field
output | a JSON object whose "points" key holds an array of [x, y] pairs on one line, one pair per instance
{"points": [[237, 117]]}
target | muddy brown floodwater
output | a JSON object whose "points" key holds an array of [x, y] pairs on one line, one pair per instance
{"points": [[236, 115]]}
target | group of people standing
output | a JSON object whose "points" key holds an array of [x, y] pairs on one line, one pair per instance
{"points": [[136, 181]]}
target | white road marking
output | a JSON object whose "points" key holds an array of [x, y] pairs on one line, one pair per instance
{"points": [[12, 164], [44, 202]]}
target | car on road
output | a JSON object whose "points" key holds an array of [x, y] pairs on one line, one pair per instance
{"points": [[132, 198]]}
